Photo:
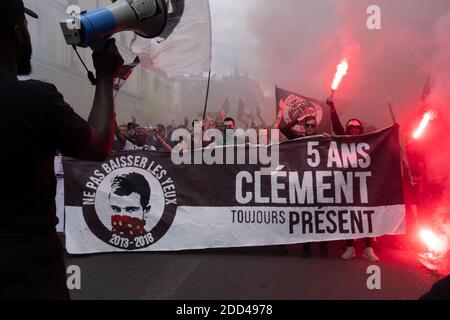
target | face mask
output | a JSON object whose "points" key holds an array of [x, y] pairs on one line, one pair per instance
{"points": [[128, 227]]}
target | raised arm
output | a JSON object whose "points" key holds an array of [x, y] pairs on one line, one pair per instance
{"points": [[338, 129], [107, 62]]}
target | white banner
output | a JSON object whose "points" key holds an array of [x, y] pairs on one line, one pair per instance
{"points": [[185, 46], [203, 227]]}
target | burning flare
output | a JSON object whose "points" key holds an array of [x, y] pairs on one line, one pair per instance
{"points": [[434, 257], [427, 117], [435, 244], [342, 70]]}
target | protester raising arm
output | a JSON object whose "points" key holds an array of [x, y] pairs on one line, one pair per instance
{"points": [[161, 140], [101, 119], [287, 129], [122, 139], [338, 129]]}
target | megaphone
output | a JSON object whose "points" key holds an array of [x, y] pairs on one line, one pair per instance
{"points": [[147, 18]]}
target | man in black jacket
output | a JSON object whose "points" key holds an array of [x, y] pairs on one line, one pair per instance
{"points": [[32, 265]]}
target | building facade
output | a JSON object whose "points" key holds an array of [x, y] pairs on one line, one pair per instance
{"points": [[148, 95]]}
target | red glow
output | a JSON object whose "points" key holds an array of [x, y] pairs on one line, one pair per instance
{"points": [[427, 117], [342, 70], [435, 244]]}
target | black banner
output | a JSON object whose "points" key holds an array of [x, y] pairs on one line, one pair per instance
{"points": [[315, 188]]}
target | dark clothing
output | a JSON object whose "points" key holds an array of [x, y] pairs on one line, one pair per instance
{"points": [[306, 252], [13, 9], [439, 291], [367, 242], [323, 246], [38, 122], [32, 268], [117, 146], [153, 143], [289, 133], [338, 129]]}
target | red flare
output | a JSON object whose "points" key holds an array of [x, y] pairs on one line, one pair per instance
{"points": [[342, 70], [427, 117], [435, 244]]}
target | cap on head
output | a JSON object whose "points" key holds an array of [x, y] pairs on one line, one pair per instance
{"points": [[14, 9], [352, 123], [141, 129], [310, 118]]}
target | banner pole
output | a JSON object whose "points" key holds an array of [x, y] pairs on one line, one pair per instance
{"points": [[404, 157], [207, 95], [391, 111]]}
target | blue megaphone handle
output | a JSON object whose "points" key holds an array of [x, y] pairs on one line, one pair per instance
{"points": [[96, 24]]}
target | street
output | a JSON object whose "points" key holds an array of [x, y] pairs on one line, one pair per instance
{"points": [[249, 274]]}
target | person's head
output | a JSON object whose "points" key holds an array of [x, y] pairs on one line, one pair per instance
{"points": [[228, 123], [130, 196], [131, 127], [219, 125], [310, 124], [162, 130], [15, 39], [149, 130], [141, 136], [130, 203], [354, 127], [123, 130]]}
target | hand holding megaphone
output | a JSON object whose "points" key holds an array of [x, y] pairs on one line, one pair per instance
{"points": [[107, 60]]}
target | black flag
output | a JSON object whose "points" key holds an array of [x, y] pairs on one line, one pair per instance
{"points": [[296, 106]]}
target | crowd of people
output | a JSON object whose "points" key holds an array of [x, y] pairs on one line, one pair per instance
{"points": [[133, 136]]}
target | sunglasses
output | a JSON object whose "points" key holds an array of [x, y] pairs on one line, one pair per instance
{"points": [[354, 127]]}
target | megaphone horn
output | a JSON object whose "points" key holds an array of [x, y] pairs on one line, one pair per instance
{"points": [[147, 18]]}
